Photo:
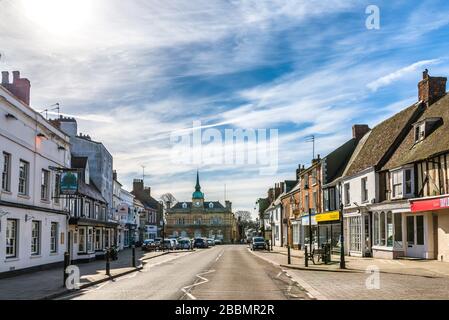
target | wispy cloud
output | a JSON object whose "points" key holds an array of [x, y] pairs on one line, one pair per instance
{"points": [[398, 74]]}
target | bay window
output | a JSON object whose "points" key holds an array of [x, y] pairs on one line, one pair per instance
{"points": [[387, 229]]}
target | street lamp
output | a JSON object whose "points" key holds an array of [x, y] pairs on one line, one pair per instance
{"points": [[342, 238]]}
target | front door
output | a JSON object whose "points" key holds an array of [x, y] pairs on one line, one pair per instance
{"points": [[415, 236]]}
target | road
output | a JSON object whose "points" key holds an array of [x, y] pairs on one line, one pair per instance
{"points": [[222, 272]]}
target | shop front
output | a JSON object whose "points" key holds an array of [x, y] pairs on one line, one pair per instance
{"points": [[358, 232], [309, 231], [428, 228], [329, 229]]}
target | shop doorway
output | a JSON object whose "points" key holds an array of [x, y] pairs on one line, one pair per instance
{"points": [[415, 225]]}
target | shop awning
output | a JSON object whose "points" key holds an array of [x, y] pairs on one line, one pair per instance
{"points": [[430, 204], [328, 216]]}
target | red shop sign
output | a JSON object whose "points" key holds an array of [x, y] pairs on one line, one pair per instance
{"points": [[430, 204]]}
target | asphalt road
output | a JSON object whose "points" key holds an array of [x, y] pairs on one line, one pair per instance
{"points": [[221, 272]]}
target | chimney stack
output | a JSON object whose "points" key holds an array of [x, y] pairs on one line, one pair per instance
{"points": [[359, 130], [137, 186], [431, 89], [5, 78], [20, 87], [298, 172]]}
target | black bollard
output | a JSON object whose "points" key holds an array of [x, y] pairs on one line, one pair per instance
{"points": [[108, 267], [66, 264], [289, 260], [134, 256], [306, 258]]}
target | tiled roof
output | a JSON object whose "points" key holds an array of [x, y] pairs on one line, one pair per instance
{"points": [[375, 147], [435, 143]]}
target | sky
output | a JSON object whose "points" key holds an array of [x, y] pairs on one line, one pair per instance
{"points": [[135, 72]]}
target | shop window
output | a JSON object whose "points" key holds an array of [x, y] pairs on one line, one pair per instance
{"points": [[355, 234], [382, 229], [389, 229], [376, 228], [398, 230]]}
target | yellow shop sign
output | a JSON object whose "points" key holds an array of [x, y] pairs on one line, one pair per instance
{"points": [[328, 216]]}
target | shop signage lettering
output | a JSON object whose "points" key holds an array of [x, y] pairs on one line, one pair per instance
{"points": [[328, 216], [430, 204]]}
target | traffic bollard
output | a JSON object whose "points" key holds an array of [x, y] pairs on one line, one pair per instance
{"points": [[108, 267], [66, 264], [306, 258], [134, 256], [289, 260]]}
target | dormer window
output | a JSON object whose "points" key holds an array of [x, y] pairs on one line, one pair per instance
{"points": [[419, 132], [425, 127], [184, 205], [211, 205]]}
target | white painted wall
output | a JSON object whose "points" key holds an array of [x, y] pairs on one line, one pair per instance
{"points": [[355, 183], [18, 137]]}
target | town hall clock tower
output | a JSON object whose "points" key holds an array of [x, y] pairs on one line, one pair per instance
{"points": [[198, 196]]}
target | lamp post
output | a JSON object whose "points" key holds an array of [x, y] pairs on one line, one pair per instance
{"points": [[342, 238]]}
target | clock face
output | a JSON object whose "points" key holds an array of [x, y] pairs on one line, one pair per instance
{"points": [[197, 203]]}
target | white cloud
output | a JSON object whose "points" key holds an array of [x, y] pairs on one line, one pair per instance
{"points": [[398, 74]]}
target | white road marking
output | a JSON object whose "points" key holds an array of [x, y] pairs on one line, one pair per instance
{"points": [[187, 289], [219, 256], [310, 291]]}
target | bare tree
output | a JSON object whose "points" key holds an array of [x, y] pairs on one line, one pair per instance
{"points": [[244, 216], [168, 198]]}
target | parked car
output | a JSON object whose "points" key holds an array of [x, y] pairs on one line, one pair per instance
{"points": [[200, 243], [167, 244], [258, 243], [174, 243], [184, 243], [217, 241], [148, 245], [211, 242]]}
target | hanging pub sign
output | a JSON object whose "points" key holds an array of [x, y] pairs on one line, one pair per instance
{"points": [[69, 183]]}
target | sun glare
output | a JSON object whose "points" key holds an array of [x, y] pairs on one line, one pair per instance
{"points": [[58, 16]]}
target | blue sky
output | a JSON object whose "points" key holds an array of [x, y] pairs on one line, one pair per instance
{"points": [[134, 71]]}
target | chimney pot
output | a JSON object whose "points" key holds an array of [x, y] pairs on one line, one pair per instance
{"points": [[15, 76], [5, 77]]}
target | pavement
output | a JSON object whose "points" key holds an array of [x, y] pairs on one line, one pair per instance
{"points": [[423, 268], [225, 272], [49, 283], [396, 280]]}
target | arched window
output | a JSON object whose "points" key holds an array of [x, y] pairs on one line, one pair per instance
{"points": [[211, 205], [184, 205]]}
